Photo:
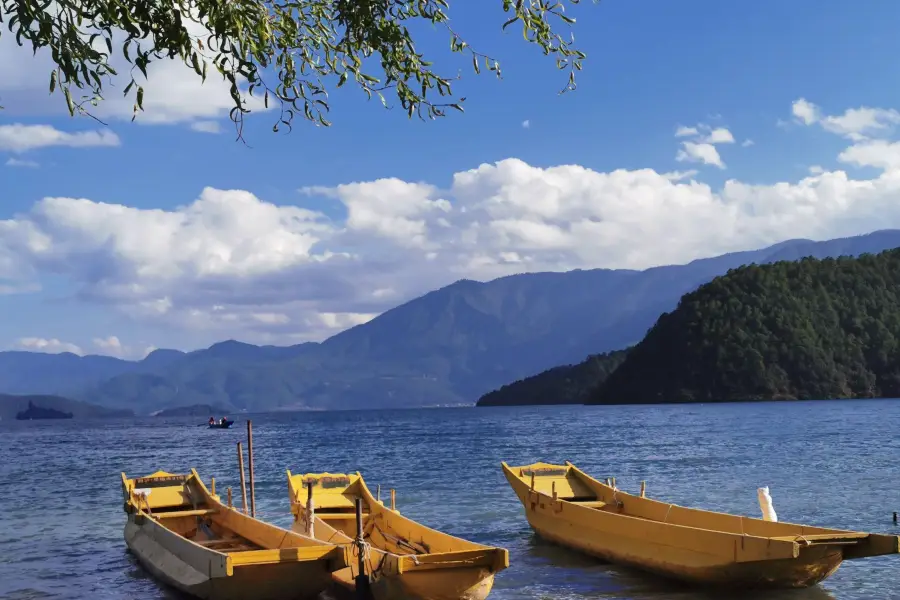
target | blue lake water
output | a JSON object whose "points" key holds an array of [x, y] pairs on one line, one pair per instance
{"points": [[826, 463]]}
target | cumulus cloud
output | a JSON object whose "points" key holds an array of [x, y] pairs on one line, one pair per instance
{"points": [[22, 138], [702, 149], [856, 124], [50, 346], [747, 143], [526, 124], [701, 153], [235, 265]]}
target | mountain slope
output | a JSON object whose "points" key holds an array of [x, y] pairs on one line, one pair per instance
{"points": [[449, 346], [813, 329], [568, 384]]}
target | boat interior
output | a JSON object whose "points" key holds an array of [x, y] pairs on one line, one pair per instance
{"points": [[334, 500], [566, 483]]}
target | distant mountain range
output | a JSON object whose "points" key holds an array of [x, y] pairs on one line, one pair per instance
{"points": [[11, 406], [447, 347]]}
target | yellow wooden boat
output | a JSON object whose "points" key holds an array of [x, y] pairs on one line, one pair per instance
{"points": [[406, 560], [566, 506], [184, 536]]}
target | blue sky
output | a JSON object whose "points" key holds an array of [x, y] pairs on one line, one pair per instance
{"points": [[391, 218]]}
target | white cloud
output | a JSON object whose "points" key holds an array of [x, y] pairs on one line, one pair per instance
{"points": [[857, 124], [816, 170], [110, 345], [526, 124], [702, 153], [719, 135], [206, 126], [113, 346], [388, 208], [806, 112], [50, 346], [747, 143], [22, 138], [232, 265], [18, 162], [702, 149]]}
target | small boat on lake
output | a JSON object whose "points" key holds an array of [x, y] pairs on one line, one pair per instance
{"points": [[406, 560], [566, 506], [185, 537], [224, 424]]}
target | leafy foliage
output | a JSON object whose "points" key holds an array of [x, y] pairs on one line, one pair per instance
{"points": [[813, 329], [568, 384], [284, 50]]}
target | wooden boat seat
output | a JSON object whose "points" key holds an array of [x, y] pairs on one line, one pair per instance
{"points": [[174, 514], [598, 504]]}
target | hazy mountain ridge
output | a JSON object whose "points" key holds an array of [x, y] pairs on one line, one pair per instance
{"points": [[448, 346]]}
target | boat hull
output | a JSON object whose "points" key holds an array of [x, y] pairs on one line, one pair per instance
{"points": [[182, 567], [455, 584], [813, 566]]}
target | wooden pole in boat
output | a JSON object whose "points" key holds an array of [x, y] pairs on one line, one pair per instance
{"points": [[393, 499], [230, 505], [241, 467], [553, 488], [532, 481], [362, 579], [378, 497], [250, 457], [643, 489], [310, 509], [212, 486], [251, 474]]}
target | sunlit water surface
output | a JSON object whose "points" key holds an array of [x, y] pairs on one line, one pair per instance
{"points": [[826, 463]]}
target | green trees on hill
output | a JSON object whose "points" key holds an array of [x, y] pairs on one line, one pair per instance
{"points": [[812, 329], [569, 384]]}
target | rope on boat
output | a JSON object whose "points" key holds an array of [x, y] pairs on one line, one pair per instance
{"points": [[401, 542]]}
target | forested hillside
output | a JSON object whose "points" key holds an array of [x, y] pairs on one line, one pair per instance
{"points": [[568, 384], [813, 329]]}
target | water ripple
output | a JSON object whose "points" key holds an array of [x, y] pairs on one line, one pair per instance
{"points": [[830, 464]]}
